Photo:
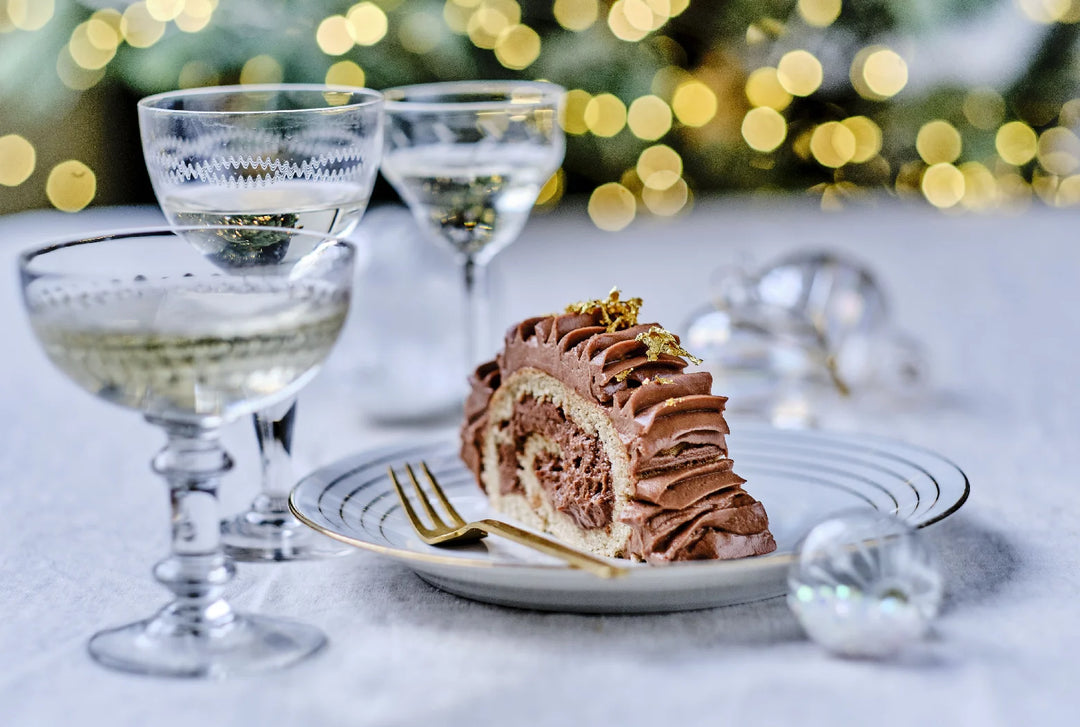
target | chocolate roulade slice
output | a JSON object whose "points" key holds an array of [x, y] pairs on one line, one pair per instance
{"points": [[586, 426]]}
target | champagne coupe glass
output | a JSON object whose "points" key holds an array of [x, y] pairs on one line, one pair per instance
{"points": [[286, 155], [469, 158], [144, 320]]}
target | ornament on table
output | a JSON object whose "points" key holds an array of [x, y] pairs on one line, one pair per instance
{"points": [[813, 326], [864, 584], [406, 314]]}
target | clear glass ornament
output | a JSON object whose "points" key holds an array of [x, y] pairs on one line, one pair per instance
{"points": [[864, 584]]}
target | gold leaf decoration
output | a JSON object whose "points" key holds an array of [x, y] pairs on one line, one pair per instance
{"points": [[615, 313], [658, 340]]}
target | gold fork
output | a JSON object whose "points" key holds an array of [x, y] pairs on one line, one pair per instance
{"points": [[459, 531]]}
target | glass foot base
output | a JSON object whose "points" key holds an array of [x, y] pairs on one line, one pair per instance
{"points": [[254, 536], [246, 645]]}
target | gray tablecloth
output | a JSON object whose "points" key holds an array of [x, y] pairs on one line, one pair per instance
{"points": [[996, 301]]}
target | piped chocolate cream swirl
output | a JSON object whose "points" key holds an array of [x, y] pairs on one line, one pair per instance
{"points": [[602, 438]]}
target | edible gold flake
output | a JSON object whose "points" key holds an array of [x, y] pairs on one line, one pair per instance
{"points": [[621, 376], [658, 341], [664, 380], [616, 314]]}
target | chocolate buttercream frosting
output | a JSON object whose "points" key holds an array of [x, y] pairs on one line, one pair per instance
{"points": [[684, 500]]}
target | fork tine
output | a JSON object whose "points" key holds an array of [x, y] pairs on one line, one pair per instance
{"points": [[459, 521], [417, 523], [425, 501]]}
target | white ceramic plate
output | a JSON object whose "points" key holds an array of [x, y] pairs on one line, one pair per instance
{"points": [[801, 477]]}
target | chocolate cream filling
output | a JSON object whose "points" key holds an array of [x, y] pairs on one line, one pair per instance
{"points": [[687, 503]]}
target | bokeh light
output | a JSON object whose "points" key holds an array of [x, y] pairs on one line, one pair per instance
{"points": [[938, 141], [878, 73], [576, 14], [345, 73], [93, 51], [1059, 151], [71, 186], [1016, 143], [605, 115], [621, 25], [420, 32], [763, 88], [164, 10], [73, 75], [573, 112], [694, 103], [764, 129], [30, 14], [17, 160], [980, 187], [552, 191], [367, 23], [833, 144], [984, 108], [195, 16], [612, 207], [658, 166], [943, 185], [261, 69], [668, 201], [139, 28], [819, 13], [799, 72], [867, 138], [197, 73], [649, 118], [517, 47], [334, 35]]}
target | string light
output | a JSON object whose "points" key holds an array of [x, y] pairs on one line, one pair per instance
{"points": [[71, 186]]}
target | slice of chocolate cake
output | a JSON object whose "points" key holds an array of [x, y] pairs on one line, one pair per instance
{"points": [[586, 426]]}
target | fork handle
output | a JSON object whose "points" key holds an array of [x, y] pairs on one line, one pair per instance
{"points": [[585, 561]]}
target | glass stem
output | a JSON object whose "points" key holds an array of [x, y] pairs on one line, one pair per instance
{"points": [[477, 314], [197, 569], [274, 432]]}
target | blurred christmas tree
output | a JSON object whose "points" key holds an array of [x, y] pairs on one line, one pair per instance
{"points": [[967, 104]]}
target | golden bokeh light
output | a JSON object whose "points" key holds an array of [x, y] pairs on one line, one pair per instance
{"points": [[552, 191], [1050, 11], [764, 128], [197, 73], [576, 14], [649, 118], [573, 112], [73, 75], [694, 103], [1045, 186], [334, 35], [457, 16], [139, 28], [867, 138], [30, 14], [103, 31], [164, 10], [486, 23], [1016, 143], [517, 47], [1069, 116], [984, 108], [420, 32], [196, 15], [367, 23], [85, 51], [943, 185], [1068, 192], [799, 72], [668, 201], [1059, 151], [878, 73], [833, 144], [345, 73], [620, 24], [17, 160], [980, 187], [763, 88], [71, 186], [819, 13], [605, 115], [639, 14], [612, 207], [658, 166], [938, 141], [261, 69]]}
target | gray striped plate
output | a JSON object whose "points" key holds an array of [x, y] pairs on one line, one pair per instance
{"points": [[801, 477]]}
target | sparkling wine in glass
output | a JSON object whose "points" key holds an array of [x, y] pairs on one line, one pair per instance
{"points": [[283, 156], [470, 158], [143, 320]]}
